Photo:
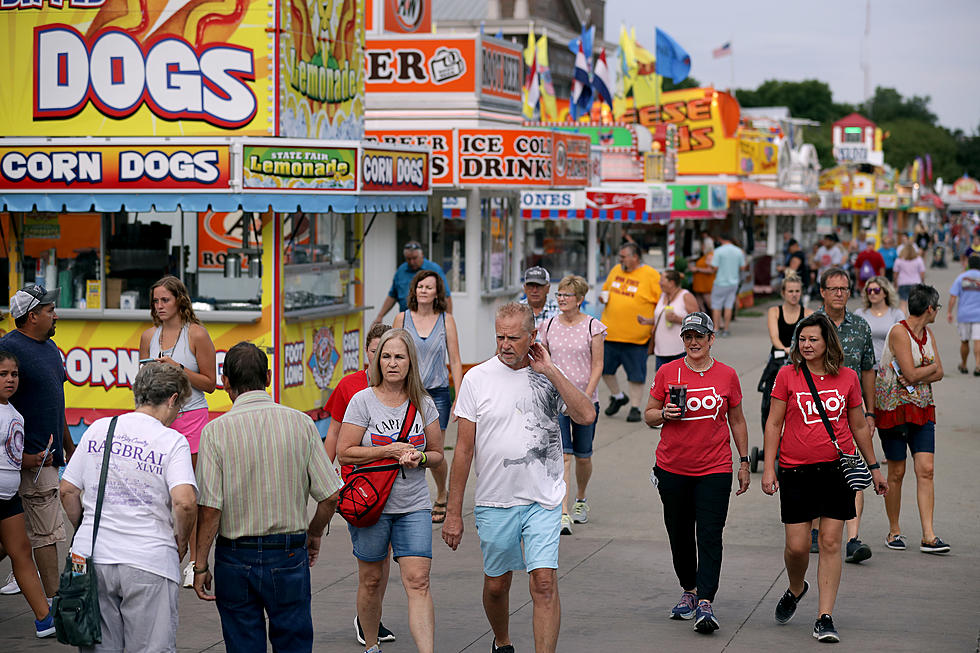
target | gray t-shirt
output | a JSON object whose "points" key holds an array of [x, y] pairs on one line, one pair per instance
{"points": [[880, 326], [382, 424]]}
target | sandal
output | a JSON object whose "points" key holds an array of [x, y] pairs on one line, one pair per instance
{"points": [[976, 371], [962, 369], [439, 511]]}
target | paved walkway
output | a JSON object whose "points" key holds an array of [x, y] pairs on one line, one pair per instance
{"points": [[617, 583]]}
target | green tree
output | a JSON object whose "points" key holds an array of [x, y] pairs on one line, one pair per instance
{"points": [[967, 155], [807, 99], [689, 82], [887, 105], [909, 138]]}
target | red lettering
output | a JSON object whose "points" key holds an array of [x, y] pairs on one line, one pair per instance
{"points": [[699, 109]]}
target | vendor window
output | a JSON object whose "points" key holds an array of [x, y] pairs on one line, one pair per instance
{"points": [[58, 253], [498, 231], [558, 246], [319, 250]]}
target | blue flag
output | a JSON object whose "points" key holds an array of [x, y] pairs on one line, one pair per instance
{"points": [[586, 39], [499, 34], [672, 60]]}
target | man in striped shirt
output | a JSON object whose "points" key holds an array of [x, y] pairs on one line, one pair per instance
{"points": [[257, 467]]}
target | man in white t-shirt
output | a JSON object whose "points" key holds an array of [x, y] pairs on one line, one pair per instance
{"points": [[508, 422]]}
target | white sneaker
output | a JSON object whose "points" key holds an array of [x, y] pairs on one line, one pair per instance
{"points": [[10, 586], [189, 574], [580, 512], [566, 525]]}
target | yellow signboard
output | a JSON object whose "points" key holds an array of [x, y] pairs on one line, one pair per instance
{"points": [[322, 69], [758, 155], [138, 68]]}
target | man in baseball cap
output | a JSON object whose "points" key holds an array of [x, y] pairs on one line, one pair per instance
{"points": [[40, 399], [537, 283]]}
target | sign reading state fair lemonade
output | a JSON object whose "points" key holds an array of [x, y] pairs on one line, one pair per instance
{"points": [[137, 68]]}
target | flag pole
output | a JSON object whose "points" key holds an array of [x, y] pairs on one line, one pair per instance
{"points": [[732, 57]]}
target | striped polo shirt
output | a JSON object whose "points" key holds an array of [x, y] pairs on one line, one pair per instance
{"points": [[259, 464]]}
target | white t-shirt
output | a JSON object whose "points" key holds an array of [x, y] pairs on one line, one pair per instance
{"points": [[147, 461], [518, 454], [12, 432], [826, 258]]}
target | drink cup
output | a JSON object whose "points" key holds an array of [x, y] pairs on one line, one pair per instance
{"points": [[677, 393], [604, 296]]}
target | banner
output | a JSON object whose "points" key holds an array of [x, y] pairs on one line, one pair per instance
{"points": [[219, 231], [501, 72], [571, 159], [440, 141], [321, 68], [422, 65], [757, 155], [317, 354], [394, 171], [137, 68], [299, 168], [706, 120], [702, 197], [101, 168]]}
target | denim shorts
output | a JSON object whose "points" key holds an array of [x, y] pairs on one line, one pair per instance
{"points": [[409, 534], [632, 357], [519, 537], [443, 404], [911, 437], [577, 438]]}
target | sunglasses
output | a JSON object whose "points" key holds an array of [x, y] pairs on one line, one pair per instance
{"points": [[874, 291]]}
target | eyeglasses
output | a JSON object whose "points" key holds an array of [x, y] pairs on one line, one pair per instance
{"points": [[564, 295], [837, 290], [937, 307], [688, 336], [874, 291]]}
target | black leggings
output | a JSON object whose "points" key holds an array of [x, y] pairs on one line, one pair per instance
{"points": [[695, 509]]}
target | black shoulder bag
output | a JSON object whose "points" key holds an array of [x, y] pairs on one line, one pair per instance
{"points": [[77, 618], [852, 466]]}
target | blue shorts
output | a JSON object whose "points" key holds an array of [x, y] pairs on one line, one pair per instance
{"points": [[502, 531], [409, 534], [914, 438], [632, 357], [577, 438], [663, 360], [443, 404]]}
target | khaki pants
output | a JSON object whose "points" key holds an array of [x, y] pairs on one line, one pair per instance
{"points": [[42, 506]]}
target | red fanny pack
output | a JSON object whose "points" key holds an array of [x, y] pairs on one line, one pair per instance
{"points": [[367, 487]]}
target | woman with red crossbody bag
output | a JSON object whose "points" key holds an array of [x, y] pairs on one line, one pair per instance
{"points": [[395, 421]]}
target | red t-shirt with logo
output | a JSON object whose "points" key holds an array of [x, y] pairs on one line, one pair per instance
{"points": [[805, 439], [346, 388], [698, 443]]}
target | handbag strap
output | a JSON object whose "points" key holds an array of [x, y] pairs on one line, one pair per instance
{"points": [[407, 422], [102, 480], [819, 405]]}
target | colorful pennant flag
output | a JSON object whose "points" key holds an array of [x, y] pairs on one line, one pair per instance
{"points": [[549, 104], [586, 39], [672, 60], [601, 80], [581, 86], [531, 92]]}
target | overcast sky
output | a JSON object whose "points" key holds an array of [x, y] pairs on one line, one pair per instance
{"points": [[919, 47]]}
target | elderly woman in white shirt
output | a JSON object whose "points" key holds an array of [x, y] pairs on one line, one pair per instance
{"points": [[150, 486]]}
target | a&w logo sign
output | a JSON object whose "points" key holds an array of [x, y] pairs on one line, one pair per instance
{"points": [[833, 404]]}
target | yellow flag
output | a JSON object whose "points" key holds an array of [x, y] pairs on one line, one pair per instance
{"points": [[627, 59], [530, 90], [648, 84], [549, 105]]}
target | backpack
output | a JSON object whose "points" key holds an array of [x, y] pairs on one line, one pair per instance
{"points": [[867, 271], [367, 487]]}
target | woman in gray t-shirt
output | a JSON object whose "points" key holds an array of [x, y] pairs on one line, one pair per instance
{"points": [[880, 311], [371, 429]]}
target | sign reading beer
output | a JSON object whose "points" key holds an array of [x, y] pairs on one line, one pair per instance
{"points": [[299, 168], [440, 141], [99, 168], [394, 171], [136, 68]]}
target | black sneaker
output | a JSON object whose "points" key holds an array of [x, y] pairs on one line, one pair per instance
{"points": [[824, 631], [506, 648], [814, 541], [857, 551], [786, 607], [634, 415], [615, 404], [936, 546], [384, 635]]}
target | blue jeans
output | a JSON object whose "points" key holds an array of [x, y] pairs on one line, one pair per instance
{"points": [[252, 580]]}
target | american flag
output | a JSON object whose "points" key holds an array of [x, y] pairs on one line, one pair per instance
{"points": [[723, 51]]}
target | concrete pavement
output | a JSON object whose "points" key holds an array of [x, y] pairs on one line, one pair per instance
{"points": [[616, 579]]}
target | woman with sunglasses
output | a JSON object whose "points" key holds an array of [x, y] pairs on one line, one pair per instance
{"points": [[698, 402], [810, 482], [880, 311], [574, 340]]}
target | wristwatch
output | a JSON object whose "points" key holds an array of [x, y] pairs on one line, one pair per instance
{"points": [[874, 465], [743, 459], [868, 413]]}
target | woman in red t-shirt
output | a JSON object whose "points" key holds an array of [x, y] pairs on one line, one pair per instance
{"points": [[693, 470], [811, 483]]}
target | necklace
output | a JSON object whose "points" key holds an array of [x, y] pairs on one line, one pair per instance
{"points": [[701, 372]]}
